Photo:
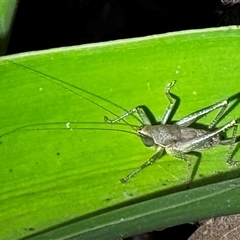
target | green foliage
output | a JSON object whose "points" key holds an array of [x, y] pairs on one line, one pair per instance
{"points": [[67, 181]]}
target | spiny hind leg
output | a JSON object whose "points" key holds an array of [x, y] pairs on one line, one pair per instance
{"points": [[194, 117], [205, 141], [231, 141], [146, 164]]}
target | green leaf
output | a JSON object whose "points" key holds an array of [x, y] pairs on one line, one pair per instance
{"points": [[162, 211], [64, 181]]}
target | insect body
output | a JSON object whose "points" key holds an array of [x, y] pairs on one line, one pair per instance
{"points": [[180, 138]]}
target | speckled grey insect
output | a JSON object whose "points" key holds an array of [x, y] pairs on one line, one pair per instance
{"points": [[179, 138]]}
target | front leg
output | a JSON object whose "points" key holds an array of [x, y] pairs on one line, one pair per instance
{"points": [[140, 110], [147, 163]]}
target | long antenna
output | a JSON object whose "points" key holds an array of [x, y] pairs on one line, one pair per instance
{"points": [[57, 81], [38, 127]]}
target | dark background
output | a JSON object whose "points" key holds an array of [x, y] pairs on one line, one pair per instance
{"points": [[48, 24]]}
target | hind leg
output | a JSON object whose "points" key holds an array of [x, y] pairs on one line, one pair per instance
{"points": [[231, 141], [194, 117]]}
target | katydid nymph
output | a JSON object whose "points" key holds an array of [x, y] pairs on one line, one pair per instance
{"points": [[177, 139], [180, 138]]}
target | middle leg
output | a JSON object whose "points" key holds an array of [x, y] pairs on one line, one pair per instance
{"points": [[182, 156]]}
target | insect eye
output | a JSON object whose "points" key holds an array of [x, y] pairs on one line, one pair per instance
{"points": [[141, 135], [147, 141]]}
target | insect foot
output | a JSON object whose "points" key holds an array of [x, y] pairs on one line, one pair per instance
{"points": [[232, 141]]}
